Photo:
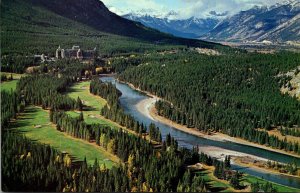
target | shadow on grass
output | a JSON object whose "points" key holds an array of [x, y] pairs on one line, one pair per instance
{"points": [[71, 90], [211, 187], [241, 167], [20, 123], [88, 108], [215, 189]]}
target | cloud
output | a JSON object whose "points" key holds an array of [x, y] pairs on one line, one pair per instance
{"points": [[125, 6], [214, 13], [204, 8], [186, 8]]}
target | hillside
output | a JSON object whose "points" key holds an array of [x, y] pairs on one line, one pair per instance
{"points": [[96, 15], [39, 26], [278, 23]]}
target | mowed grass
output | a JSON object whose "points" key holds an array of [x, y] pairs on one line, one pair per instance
{"points": [[93, 104], [280, 188], [224, 186], [35, 124], [214, 183], [11, 84]]}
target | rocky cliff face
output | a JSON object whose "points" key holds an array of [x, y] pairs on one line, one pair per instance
{"points": [[278, 23]]}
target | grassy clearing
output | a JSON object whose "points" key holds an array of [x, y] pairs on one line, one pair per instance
{"points": [[35, 124], [11, 84], [224, 186], [289, 138], [93, 104], [215, 183], [280, 188]]}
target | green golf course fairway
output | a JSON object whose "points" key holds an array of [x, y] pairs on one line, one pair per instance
{"points": [[35, 124], [93, 104]]}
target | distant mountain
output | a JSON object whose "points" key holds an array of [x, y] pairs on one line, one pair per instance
{"points": [[39, 26], [188, 28], [278, 23]]}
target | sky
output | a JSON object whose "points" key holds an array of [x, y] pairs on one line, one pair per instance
{"points": [[185, 8]]}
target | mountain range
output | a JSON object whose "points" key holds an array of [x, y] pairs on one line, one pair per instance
{"points": [[187, 28], [277, 23], [35, 26]]}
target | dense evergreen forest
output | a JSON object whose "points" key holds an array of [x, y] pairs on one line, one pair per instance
{"points": [[145, 168], [114, 111], [232, 94]]}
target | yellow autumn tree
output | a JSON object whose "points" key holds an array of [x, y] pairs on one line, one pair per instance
{"points": [[57, 158], [145, 187], [102, 139], [134, 189], [111, 146], [28, 155], [131, 161], [102, 167], [67, 161]]}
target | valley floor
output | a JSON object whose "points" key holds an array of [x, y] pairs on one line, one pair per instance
{"points": [[147, 108], [35, 124]]}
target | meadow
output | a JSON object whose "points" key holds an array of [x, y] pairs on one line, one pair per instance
{"points": [[10, 84], [224, 186], [34, 123], [92, 104]]}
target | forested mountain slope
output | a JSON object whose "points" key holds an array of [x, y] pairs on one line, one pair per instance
{"points": [[39, 26]]}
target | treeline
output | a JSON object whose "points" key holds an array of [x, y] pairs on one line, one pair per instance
{"points": [[16, 63], [232, 94], [45, 91], [29, 166], [145, 169], [250, 134], [290, 131], [222, 171], [114, 111], [105, 90], [188, 183], [265, 187], [11, 104], [154, 133], [290, 168], [148, 169], [5, 77]]}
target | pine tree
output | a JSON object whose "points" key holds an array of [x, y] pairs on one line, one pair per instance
{"points": [[81, 118], [79, 104]]}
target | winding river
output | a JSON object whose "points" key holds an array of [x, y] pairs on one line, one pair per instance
{"points": [[129, 100]]}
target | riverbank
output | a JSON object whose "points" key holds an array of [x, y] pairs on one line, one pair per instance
{"points": [[131, 99], [247, 161], [214, 136], [147, 108], [217, 152]]}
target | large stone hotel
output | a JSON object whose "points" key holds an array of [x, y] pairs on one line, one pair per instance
{"points": [[75, 53]]}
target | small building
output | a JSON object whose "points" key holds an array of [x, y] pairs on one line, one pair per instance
{"points": [[43, 58], [76, 53]]}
